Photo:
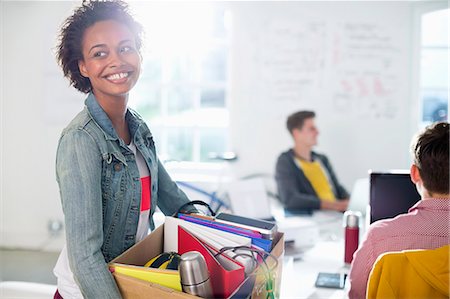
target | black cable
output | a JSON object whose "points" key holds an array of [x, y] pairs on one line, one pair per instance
{"points": [[267, 273], [258, 252], [192, 203]]}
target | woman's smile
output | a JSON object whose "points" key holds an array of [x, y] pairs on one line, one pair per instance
{"points": [[119, 77]]}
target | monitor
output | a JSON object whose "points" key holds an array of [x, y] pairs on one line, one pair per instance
{"points": [[391, 194]]}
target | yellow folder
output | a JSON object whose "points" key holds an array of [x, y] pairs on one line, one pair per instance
{"points": [[167, 278]]}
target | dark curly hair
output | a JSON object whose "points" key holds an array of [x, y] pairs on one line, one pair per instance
{"points": [[430, 151], [69, 48]]}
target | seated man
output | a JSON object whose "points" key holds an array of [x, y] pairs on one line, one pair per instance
{"points": [[305, 179], [426, 225]]}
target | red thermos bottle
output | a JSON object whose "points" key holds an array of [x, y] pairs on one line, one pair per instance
{"points": [[351, 222]]}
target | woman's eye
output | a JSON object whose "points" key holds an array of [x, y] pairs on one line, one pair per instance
{"points": [[99, 54], [126, 49]]}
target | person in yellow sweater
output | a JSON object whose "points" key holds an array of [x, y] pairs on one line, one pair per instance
{"points": [[305, 179]]}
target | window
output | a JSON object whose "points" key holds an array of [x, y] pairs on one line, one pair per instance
{"points": [[182, 93], [434, 80]]}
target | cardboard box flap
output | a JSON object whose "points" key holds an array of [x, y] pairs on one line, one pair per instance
{"points": [[151, 245], [278, 248]]}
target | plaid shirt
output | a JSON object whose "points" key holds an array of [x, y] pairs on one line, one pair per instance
{"points": [[425, 226]]}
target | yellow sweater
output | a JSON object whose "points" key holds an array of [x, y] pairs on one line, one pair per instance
{"points": [[318, 179], [411, 274]]}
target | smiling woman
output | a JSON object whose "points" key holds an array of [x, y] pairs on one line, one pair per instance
{"points": [[109, 175], [110, 59]]}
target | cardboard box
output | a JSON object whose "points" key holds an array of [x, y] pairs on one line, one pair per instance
{"points": [[152, 245]]}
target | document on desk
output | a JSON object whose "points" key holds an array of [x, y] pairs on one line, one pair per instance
{"points": [[325, 254]]}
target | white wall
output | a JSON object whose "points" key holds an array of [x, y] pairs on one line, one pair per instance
{"points": [[36, 102]]}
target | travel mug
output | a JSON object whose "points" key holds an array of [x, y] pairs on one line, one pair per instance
{"points": [[351, 223], [194, 275]]}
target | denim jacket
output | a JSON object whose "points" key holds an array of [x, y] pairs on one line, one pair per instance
{"points": [[100, 192]]}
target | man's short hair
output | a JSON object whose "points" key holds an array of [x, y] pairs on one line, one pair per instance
{"points": [[296, 120], [430, 151]]}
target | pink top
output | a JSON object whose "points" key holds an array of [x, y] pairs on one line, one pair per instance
{"points": [[425, 226]]}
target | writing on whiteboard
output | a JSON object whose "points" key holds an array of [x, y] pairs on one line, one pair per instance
{"points": [[292, 58], [352, 65], [363, 63]]}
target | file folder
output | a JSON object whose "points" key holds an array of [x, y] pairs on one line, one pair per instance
{"points": [[224, 280], [256, 237], [215, 237], [167, 278], [221, 226]]}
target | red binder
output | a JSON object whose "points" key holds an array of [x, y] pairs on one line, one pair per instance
{"points": [[224, 281]]}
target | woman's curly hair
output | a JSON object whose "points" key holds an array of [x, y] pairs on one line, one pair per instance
{"points": [[69, 48]]}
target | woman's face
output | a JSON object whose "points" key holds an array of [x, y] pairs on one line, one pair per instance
{"points": [[111, 60]]}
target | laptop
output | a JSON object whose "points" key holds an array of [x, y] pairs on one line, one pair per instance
{"points": [[391, 194], [249, 198]]}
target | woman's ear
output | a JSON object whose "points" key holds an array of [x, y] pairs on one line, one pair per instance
{"points": [[415, 175], [82, 68]]}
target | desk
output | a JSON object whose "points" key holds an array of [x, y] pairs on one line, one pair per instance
{"points": [[327, 255]]}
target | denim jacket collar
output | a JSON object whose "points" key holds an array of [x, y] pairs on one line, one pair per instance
{"points": [[102, 119]]}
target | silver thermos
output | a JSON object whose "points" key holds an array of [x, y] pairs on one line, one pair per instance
{"points": [[194, 275]]}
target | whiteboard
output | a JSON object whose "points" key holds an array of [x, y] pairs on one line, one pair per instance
{"points": [[350, 62]]}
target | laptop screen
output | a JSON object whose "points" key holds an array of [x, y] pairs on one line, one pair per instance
{"points": [[391, 194], [248, 198]]}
